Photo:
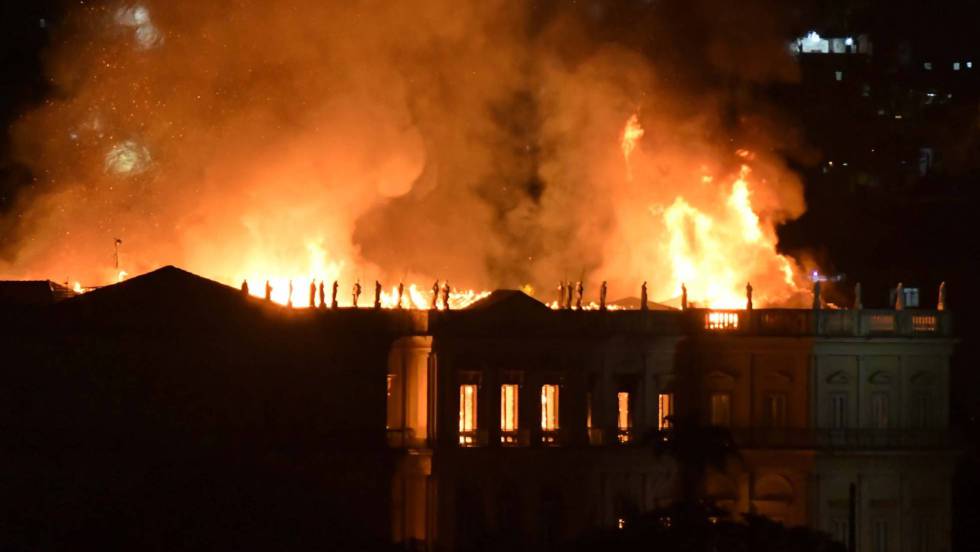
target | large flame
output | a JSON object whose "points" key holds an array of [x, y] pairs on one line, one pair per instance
{"points": [[715, 255], [631, 134], [436, 140]]}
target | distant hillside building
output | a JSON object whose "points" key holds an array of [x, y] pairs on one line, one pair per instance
{"points": [[227, 418]]}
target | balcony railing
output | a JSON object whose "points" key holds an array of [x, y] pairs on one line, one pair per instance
{"points": [[475, 438], [828, 323], [624, 435], [844, 439], [518, 438]]}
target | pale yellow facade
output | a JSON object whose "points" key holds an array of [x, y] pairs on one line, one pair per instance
{"points": [[817, 401]]}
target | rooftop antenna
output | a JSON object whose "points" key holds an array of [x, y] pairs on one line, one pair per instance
{"points": [[117, 244]]}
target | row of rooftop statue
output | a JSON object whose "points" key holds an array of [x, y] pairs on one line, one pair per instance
{"points": [[439, 294], [566, 292]]}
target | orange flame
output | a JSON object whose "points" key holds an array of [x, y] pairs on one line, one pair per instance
{"points": [[631, 134], [716, 256]]}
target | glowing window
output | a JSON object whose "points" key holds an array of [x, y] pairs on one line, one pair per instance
{"points": [[665, 409], [624, 420], [776, 410], [467, 413], [721, 321], [549, 407], [393, 403], [508, 407], [721, 409], [588, 410]]}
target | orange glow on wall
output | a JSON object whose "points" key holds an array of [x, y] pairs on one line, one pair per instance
{"points": [[508, 407], [624, 421], [549, 407], [665, 408], [467, 413]]}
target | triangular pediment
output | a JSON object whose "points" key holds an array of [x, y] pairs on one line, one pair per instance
{"points": [[779, 376], [838, 378], [720, 375], [508, 301], [924, 378], [880, 377]]}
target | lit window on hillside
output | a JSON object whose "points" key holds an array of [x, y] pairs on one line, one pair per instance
{"points": [[839, 75], [624, 420], [927, 66], [467, 414], [508, 413], [956, 66]]}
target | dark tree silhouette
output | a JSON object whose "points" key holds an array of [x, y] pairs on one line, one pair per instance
{"points": [[696, 448], [687, 527]]}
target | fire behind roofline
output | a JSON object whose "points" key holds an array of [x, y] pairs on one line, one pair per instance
{"points": [[191, 297]]}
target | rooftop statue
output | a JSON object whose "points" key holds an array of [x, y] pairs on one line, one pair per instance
{"points": [[643, 296], [333, 295], [357, 292]]}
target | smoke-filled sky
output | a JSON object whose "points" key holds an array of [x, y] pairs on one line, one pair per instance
{"points": [[474, 141]]}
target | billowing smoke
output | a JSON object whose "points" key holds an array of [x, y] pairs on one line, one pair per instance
{"points": [[366, 139]]}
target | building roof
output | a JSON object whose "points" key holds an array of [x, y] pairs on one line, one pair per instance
{"points": [[32, 292]]}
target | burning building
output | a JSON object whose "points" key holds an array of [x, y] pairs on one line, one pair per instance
{"points": [[170, 407]]}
